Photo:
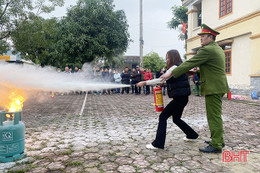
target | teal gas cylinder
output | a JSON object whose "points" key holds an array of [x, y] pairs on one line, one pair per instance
{"points": [[12, 132]]}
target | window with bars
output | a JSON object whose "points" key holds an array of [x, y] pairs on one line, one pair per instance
{"points": [[228, 61], [225, 7], [227, 50]]}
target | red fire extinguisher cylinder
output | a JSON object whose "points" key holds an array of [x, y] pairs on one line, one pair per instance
{"points": [[158, 99]]}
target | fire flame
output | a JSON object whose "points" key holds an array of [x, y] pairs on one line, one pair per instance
{"points": [[16, 101]]}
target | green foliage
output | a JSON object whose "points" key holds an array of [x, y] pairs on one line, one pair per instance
{"points": [[35, 39], [14, 12], [4, 46], [179, 16], [92, 29], [115, 61], [153, 61]]}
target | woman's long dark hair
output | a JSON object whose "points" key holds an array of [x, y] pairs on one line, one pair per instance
{"points": [[174, 58]]}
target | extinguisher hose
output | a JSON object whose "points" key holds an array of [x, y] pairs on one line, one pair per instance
{"points": [[159, 80]]}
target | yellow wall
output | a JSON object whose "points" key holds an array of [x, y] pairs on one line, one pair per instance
{"points": [[240, 8], [255, 56], [249, 24], [240, 61]]}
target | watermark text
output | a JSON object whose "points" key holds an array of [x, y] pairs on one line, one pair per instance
{"points": [[232, 156]]}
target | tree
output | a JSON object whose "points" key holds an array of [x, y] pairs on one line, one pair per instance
{"points": [[15, 11], [35, 38], [92, 29], [4, 46], [153, 61], [115, 61], [179, 16]]}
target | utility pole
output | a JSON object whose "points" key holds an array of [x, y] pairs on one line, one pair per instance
{"points": [[141, 33]]}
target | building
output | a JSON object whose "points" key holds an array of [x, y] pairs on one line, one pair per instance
{"points": [[238, 22], [11, 58], [131, 61]]}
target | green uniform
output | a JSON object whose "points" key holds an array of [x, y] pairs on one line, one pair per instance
{"points": [[211, 61]]}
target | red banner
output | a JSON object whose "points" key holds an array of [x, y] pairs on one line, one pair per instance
{"points": [[184, 27]]}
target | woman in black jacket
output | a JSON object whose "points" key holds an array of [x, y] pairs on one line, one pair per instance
{"points": [[179, 90]]}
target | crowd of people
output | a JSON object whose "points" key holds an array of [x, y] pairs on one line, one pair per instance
{"points": [[128, 76]]}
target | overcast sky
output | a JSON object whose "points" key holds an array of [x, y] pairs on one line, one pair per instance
{"points": [[156, 34]]}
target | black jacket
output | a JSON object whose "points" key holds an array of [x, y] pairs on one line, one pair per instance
{"points": [[125, 77], [178, 86], [136, 76]]}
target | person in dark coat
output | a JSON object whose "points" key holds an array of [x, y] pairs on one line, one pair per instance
{"points": [[125, 80], [210, 58], [106, 79], [196, 80], [133, 80], [179, 90], [138, 79]]}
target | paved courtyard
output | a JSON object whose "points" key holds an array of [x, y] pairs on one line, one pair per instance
{"points": [[109, 133]]}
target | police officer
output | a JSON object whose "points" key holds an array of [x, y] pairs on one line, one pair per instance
{"points": [[211, 61]]}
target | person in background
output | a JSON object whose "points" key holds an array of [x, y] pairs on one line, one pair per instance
{"points": [[125, 80], [137, 79], [106, 79], [97, 77], [117, 78], [76, 69], [162, 85], [196, 80], [67, 70], [210, 58], [58, 70], [179, 90], [147, 76], [111, 78], [142, 79], [133, 81]]}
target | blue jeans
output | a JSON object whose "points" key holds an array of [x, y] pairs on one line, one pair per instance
{"points": [[117, 89]]}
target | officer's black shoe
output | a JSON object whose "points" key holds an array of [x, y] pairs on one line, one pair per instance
{"points": [[223, 145], [210, 149]]}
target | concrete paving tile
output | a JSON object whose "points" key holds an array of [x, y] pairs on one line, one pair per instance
{"points": [[160, 167], [54, 166], [126, 169], [38, 170], [111, 134], [109, 166]]}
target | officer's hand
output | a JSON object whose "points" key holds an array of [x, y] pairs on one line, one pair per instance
{"points": [[165, 76], [140, 84]]}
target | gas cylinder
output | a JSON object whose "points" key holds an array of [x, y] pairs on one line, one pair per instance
{"points": [[158, 99], [12, 132]]}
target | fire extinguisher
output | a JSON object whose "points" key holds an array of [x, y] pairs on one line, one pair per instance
{"points": [[229, 95], [158, 99]]}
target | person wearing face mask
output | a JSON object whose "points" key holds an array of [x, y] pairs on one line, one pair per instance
{"points": [[163, 85], [211, 60]]}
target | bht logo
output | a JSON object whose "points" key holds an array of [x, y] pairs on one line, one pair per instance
{"points": [[232, 156]]}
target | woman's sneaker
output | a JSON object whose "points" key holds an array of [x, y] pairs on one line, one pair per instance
{"points": [[150, 146], [189, 140]]}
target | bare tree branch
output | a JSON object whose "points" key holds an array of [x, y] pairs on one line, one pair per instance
{"points": [[7, 4]]}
